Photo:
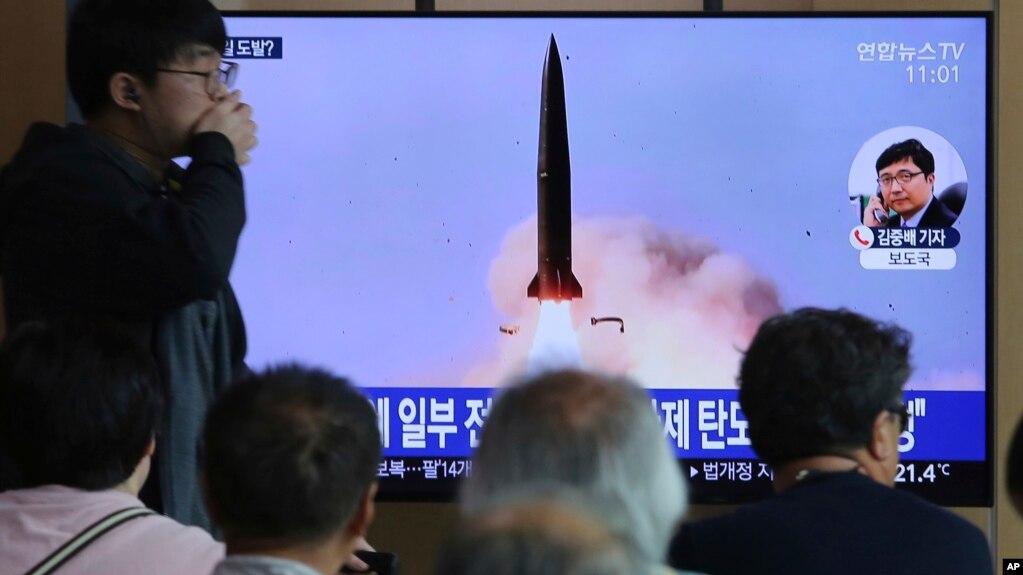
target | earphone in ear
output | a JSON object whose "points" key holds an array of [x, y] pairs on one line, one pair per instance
{"points": [[132, 95]]}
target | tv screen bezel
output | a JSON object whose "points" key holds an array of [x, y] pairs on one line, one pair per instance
{"points": [[422, 490]]}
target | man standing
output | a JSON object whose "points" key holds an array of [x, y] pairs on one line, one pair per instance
{"points": [[822, 391], [96, 220]]}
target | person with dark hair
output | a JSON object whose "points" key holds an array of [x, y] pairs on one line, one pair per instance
{"points": [[1014, 468], [95, 219], [80, 405], [822, 392], [905, 178], [534, 537], [289, 464], [594, 434]]}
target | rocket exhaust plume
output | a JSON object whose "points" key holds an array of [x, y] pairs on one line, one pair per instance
{"points": [[556, 345], [554, 280]]}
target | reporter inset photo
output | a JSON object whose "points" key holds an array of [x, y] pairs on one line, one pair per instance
{"points": [[908, 177]]}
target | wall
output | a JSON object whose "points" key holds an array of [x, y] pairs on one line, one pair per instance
{"points": [[1008, 526], [33, 88], [32, 71]]}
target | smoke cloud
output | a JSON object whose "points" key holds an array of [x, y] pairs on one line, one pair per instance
{"points": [[689, 309], [946, 380]]}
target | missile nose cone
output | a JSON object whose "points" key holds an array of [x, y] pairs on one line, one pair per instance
{"points": [[552, 50], [553, 156], [552, 73]]}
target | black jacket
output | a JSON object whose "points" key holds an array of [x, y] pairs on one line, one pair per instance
{"points": [[840, 523], [937, 215], [85, 229]]}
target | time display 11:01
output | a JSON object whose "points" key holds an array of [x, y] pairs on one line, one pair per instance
{"points": [[933, 74]]}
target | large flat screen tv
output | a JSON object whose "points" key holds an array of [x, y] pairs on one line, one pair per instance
{"points": [[698, 175]]}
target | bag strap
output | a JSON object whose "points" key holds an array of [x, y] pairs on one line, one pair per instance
{"points": [[91, 533]]}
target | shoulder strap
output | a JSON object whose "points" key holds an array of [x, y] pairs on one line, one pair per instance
{"points": [[91, 533]]}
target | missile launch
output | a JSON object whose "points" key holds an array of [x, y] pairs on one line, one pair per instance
{"points": [[554, 280]]}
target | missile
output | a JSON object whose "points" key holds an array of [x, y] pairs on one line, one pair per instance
{"points": [[554, 279]]}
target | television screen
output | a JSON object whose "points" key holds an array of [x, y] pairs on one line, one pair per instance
{"points": [[439, 204]]}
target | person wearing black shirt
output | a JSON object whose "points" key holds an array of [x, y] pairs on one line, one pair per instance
{"points": [[822, 392], [96, 220]]}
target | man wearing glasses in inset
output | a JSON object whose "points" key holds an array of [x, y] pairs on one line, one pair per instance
{"points": [[905, 178], [96, 220]]}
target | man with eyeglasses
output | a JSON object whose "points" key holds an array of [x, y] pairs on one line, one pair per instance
{"points": [[96, 220], [822, 393], [905, 179]]}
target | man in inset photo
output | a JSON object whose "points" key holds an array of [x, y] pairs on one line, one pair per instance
{"points": [[905, 177]]}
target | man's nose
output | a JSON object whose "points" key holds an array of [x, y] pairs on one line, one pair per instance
{"points": [[220, 93]]}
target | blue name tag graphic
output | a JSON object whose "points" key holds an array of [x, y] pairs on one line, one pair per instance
{"points": [[250, 47], [909, 238]]}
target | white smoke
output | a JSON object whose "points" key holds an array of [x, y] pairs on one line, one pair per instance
{"points": [[689, 309], [556, 345], [940, 380]]}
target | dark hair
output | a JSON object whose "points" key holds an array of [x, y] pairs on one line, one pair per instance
{"points": [[1014, 468], [133, 36], [289, 453], [911, 149], [80, 400], [813, 381]]}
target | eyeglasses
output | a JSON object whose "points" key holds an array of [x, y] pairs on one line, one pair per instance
{"points": [[225, 75], [903, 178], [903, 414]]}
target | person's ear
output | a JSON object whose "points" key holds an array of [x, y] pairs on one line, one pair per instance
{"points": [[883, 443], [124, 91], [359, 524]]}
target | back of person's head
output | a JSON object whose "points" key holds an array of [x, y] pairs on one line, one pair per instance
{"points": [[911, 149], [135, 37], [289, 455], [80, 403], [1014, 468], [813, 381], [594, 433], [534, 538]]}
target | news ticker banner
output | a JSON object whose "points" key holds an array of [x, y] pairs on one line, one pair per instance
{"points": [[944, 482], [699, 424]]}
